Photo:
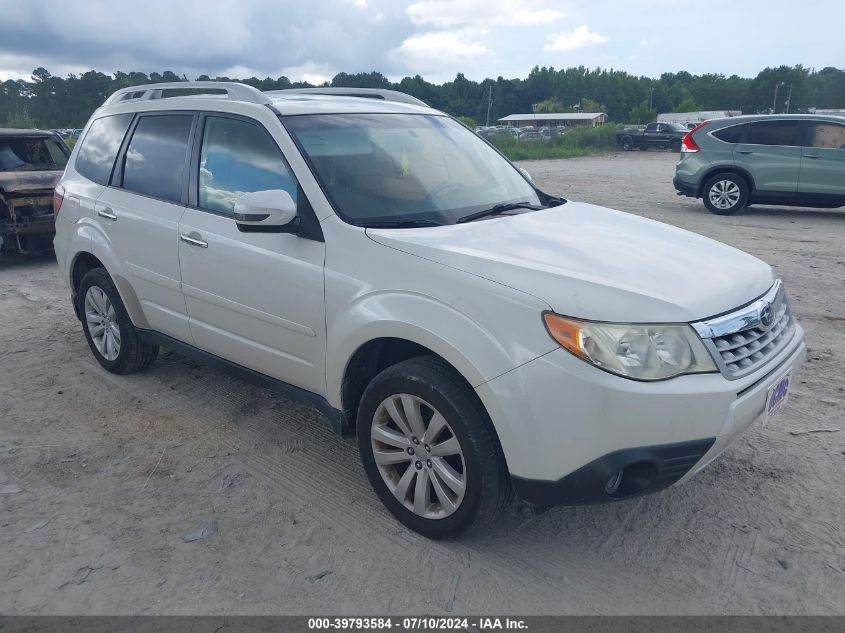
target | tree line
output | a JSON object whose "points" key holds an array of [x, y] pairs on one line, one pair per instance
{"points": [[49, 101]]}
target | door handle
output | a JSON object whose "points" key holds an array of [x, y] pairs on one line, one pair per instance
{"points": [[813, 156], [107, 213], [193, 241], [744, 151]]}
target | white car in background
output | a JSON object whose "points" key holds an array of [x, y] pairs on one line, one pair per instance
{"points": [[378, 260]]}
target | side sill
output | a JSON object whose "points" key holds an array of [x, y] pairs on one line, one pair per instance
{"points": [[337, 419]]}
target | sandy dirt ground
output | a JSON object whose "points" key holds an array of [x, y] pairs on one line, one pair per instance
{"points": [[103, 477]]}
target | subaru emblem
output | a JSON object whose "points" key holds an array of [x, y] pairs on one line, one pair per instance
{"points": [[767, 316]]}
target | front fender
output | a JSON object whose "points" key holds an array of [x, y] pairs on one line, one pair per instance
{"points": [[473, 349]]}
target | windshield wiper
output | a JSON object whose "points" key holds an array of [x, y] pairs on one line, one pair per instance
{"points": [[497, 209], [401, 224]]}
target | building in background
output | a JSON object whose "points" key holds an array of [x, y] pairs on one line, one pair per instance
{"points": [[555, 119], [696, 117]]}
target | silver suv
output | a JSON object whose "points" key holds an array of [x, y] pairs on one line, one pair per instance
{"points": [[796, 160]]}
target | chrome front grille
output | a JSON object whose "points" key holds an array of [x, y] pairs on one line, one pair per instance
{"points": [[745, 340]]}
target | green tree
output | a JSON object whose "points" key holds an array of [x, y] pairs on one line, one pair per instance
{"points": [[642, 113], [468, 121], [687, 105]]}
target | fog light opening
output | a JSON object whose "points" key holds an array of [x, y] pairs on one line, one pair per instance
{"points": [[631, 480], [614, 482]]}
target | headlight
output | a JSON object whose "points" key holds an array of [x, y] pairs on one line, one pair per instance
{"points": [[640, 351]]}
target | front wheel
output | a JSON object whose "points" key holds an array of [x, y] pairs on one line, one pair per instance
{"points": [[429, 450], [627, 144], [725, 194]]}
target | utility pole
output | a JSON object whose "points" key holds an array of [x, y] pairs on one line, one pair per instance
{"points": [[651, 99], [775, 102], [489, 103], [788, 98]]}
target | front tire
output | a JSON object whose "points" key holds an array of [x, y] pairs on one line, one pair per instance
{"points": [[429, 449], [627, 144], [725, 194], [112, 337]]}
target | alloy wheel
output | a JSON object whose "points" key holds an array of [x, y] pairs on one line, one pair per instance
{"points": [[724, 194], [102, 323], [418, 456]]}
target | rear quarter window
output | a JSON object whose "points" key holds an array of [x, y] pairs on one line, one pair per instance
{"points": [[100, 146], [733, 133]]}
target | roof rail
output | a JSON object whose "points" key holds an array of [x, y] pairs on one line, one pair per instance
{"points": [[367, 93], [233, 90]]}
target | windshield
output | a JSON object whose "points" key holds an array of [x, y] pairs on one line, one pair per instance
{"points": [[393, 168], [31, 153], [678, 127]]}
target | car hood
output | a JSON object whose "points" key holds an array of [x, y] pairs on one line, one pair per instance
{"points": [[23, 181], [596, 263]]}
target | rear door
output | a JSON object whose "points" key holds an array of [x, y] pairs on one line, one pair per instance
{"points": [[255, 299], [822, 178], [140, 213], [771, 153]]}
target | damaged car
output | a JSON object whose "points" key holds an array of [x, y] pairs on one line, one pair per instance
{"points": [[31, 163]]}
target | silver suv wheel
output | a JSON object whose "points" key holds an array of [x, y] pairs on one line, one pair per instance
{"points": [[102, 323], [724, 194], [418, 456]]}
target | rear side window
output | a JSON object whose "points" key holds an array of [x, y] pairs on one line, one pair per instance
{"points": [[238, 157], [784, 133], [824, 135], [733, 134], [156, 156], [30, 153], [100, 146]]}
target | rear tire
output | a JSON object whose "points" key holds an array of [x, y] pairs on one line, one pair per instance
{"points": [[627, 143], [440, 470], [112, 337], [725, 194]]}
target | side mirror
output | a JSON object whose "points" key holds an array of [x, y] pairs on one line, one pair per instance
{"points": [[269, 211], [525, 173]]}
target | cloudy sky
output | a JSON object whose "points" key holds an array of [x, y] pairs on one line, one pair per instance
{"points": [[314, 39]]}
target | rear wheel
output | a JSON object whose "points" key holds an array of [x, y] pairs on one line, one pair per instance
{"points": [[725, 194], [112, 337], [627, 143], [429, 451]]}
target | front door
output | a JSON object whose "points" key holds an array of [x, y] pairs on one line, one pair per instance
{"points": [[255, 299], [772, 155]]}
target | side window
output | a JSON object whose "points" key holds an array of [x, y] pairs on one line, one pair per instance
{"points": [[783, 133], [733, 134], [651, 127], [238, 157], [156, 155], [824, 134], [100, 146]]}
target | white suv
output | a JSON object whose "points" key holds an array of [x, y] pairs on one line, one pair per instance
{"points": [[383, 263]]}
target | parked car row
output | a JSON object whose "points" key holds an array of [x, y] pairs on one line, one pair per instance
{"points": [[526, 133], [377, 260]]}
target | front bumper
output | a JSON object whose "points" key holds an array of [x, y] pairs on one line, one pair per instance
{"points": [[566, 427]]}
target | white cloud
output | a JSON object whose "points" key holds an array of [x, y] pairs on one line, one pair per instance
{"points": [[430, 51], [454, 13], [579, 38], [312, 73], [361, 4]]}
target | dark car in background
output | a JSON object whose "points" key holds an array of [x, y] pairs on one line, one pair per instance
{"points": [[31, 163], [658, 135], [783, 159]]}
